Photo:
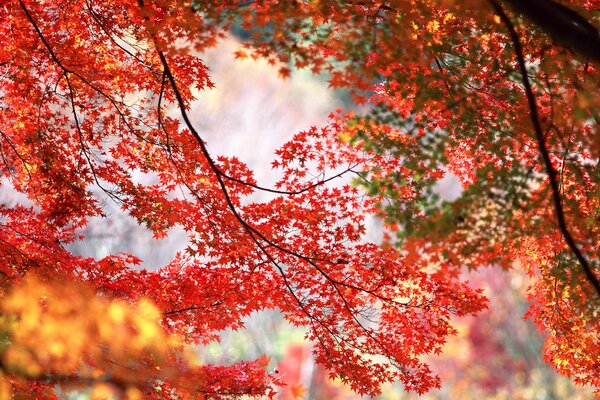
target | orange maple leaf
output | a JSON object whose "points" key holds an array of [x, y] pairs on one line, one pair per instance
{"points": [[298, 390]]}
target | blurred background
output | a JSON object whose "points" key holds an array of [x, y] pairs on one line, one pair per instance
{"points": [[249, 114]]}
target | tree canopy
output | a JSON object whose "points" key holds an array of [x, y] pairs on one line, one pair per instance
{"points": [[501, 94]]}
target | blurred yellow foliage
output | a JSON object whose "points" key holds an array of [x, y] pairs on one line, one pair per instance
{"points": [[64, 331]]}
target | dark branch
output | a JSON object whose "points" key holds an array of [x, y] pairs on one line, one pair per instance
{"points": [[541, 140], [564, 25]]}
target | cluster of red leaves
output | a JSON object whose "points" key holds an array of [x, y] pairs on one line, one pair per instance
{"points": [[84, 91]]}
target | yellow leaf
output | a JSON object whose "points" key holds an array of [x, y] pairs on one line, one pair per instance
{"points": [[102, 391], [5, 388], [133, 393], [345, 137], [298, 391], [116, 312]]}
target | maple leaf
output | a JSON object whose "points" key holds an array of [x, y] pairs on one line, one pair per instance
{"points": [[298, 391], [284, 72]]}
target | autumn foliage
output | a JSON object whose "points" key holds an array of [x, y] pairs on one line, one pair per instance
{"points": [[94, 106]]}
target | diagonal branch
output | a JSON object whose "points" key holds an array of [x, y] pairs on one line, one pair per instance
{"points": [[567, 27], [541, 140], [255, 234], [263, 242]]}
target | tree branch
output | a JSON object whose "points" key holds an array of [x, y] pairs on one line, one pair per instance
{"points": [[565, 25], [541, 140]]}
